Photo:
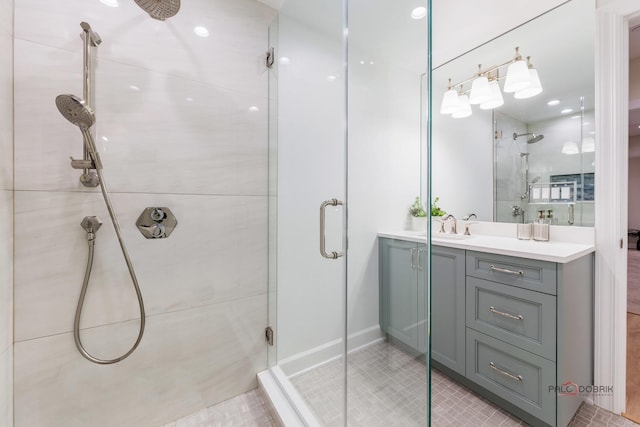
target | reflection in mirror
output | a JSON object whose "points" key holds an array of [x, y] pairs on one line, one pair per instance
{"points": [[532, 156]]}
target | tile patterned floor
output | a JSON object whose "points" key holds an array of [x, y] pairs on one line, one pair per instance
{"points": [[248, 409], [387, 387]]}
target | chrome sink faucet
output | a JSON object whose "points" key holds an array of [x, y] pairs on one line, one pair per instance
{"points": [[454, 224], [468, 223]]}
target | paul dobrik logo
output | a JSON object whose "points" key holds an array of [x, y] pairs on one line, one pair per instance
{"points": [[570, 388]]}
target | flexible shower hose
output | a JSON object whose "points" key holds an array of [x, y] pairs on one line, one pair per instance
{"points": [[87, 275]]}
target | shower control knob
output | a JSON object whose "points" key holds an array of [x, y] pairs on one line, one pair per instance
{"points": [[156, 230], [158, 214], [156, 222]]}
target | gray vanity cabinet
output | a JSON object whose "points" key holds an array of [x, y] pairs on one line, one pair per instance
{"points": [[402, 285], [448, 307], [511, 328]]}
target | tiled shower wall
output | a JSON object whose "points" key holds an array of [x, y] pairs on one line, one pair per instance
{"points": [[6, 212], [181, 123]]}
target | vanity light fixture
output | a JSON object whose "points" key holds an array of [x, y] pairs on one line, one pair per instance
{"points": [[480, 90], [450, 101], [521, 79], [464, 109], [534, 88]]}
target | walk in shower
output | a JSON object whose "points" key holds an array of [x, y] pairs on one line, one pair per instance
{"points": [[351, 151], [283, 135]]}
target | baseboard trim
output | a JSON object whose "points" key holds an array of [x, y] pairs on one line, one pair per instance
{"points": [[309, 359]]}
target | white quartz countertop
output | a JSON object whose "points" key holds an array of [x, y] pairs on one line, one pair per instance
{"points": [[554, 251]]}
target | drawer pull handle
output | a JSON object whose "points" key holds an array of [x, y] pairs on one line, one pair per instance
{"points": [[509, 315], [506, 270], [505, 373]]}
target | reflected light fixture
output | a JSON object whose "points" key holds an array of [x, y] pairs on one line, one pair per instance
{"points": [[570, 147], [450, 101], [201, 31], [419, 12], [567, 111], [588, 145], [496, 99], [521, 79], [480, 90], [534, 88], [464, 110], [110, 3], [553, 102]]}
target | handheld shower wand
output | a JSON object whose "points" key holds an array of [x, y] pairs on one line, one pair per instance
{"points": [[78, 113]]}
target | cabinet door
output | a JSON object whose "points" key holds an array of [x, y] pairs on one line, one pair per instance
{"points": [[447, 307], [399, 290]]}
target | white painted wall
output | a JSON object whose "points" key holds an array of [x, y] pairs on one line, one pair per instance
{"points": [[6, 213], [174, 129], [463, 164]]}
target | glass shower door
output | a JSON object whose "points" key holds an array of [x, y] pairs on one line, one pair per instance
{"points": [[308, 263], [349, 107]]}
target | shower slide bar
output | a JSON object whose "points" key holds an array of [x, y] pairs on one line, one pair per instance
{"points": [[79, 112]]}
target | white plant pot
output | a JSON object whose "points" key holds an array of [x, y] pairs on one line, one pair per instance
{"points": [[419, 223]]}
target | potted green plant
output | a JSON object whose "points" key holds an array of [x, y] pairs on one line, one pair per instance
{"points": [[435, 209], [418, 216]]}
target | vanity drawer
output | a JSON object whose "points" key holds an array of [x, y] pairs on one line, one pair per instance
{"points": [[522, 272], [517, 316], [520, 377]]}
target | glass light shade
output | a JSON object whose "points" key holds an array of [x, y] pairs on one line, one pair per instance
{"points": [[570, 147], [496, 99], [518, 77], [480, 91], [464, 110], [588, 145], [450, 102], [533, 90]]}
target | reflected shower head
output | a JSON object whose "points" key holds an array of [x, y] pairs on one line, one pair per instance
{"points": [[75, 110], [534, 138], [160, 9]]}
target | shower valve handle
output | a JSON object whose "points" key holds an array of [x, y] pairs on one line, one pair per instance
{"points": [[156, 231]]}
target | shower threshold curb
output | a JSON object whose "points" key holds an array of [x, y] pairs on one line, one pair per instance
{"points": [[287, 405]]}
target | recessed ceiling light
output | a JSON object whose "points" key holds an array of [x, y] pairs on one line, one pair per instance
{"points": [[284, 60], [253, 108], [105, 139], [201, 31], [189, 99], [575, 117], [419, 12], [370, 62], [332, 78], [553, 102], [110, 3], [362, 62], [566, 111], [134, 88]]}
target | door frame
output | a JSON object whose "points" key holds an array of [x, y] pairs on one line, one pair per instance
{"points": [[611, 216]]}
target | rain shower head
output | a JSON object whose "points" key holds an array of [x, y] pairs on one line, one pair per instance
{"points": [[75, 110], [534, 138], [160, 9]]}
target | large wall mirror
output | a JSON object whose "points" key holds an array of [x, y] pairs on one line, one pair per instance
{"points": [[534, 154]]}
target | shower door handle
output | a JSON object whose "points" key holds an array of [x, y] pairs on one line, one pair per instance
{"points": [[323, 207]]}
